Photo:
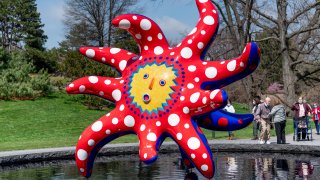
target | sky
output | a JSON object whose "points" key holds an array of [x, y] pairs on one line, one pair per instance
{"points": [[174, 17]]}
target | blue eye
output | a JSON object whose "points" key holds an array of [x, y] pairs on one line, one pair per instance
{"points": [[146, 76], [162, 82]]}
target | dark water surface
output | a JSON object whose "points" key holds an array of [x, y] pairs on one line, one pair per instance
{"points": [[244, 166]]}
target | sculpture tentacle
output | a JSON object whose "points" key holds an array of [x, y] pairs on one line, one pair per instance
{"points": [[107, 88], [115, 57], [104, 130], [145, 31], [201, 37]]}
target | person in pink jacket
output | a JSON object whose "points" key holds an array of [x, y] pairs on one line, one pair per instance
{"points": [[316, 117]]}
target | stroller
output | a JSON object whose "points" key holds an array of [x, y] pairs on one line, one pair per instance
{"points": [[302, 130]]}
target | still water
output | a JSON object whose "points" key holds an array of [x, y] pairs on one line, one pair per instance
{"points": [[244, 166]]}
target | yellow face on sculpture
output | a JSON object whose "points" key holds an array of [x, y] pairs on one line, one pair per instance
{"points": [[151, 86]]}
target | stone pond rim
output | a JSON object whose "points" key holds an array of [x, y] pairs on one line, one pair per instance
{"points": [[9, 158]]}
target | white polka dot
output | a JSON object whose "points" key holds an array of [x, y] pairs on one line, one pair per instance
{"points": [[204, 155], [190, 86], [122, 81], [182, 98], [205, 63], [208, 20], [71, 85], [97, 126], [90, 53], [122, 65], [203, 32], [194, 30], [142, 127], [244, 50], [186, 53], [113, 60], [193, 143], [152, 137], [80, 137], [214, 11], [103, 59], [203, 1], [115, 121], [194, 97], [204, 10], [204, 100], [179, 136], [186, 110], [107, 82], [82, 154], [204, 167], [93, 79], [214, 93], [189, 41], [116, 94], [145, 155], [91, 142], [232, 65], [145, 24], [134, 17], [196, 79], [192, 68], [108, 114], [187, 126], [146, 48], [173, 119], [200, 45], [193, 156], [82, 88], [121, 107], [114, 50], [160, 36], [158, 50], [149, 38], [179, 45], [158, 123], [81, 170], [222, 62], [125, 24], [129, 121], [138, 36], [211, 72], [241, 64], [172, 53], [101, 93], [108, 131]]}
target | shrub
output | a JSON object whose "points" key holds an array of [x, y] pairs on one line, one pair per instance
{"points": [[16, 81]]}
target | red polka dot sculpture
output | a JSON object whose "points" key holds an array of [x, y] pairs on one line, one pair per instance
{"points": [[164, 92]]}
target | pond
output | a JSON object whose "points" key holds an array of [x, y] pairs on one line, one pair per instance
{"points": [[228, 166]]}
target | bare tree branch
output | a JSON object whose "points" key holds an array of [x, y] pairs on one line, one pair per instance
{"points": [[268, 38], [303, 30], [298, 14]]}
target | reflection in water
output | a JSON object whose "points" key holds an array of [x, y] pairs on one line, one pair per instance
{"points": [[304, 169], [247, 166]]}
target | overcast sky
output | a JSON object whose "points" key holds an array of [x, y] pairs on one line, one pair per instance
{"points": [[174, 17]]}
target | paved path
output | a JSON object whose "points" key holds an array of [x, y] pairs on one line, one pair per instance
{"points": [[273, 140]]}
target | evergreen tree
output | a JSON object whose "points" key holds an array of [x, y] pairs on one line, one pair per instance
{"points": [[20, 24]]}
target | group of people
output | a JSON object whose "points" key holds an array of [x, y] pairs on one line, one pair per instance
{"points": [[272, 112]]}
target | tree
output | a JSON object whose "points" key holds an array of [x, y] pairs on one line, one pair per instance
{"points": [[97, 16], [296, 26], [20, 25]]}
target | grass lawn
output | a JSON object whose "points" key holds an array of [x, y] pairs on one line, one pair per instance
{"points": [[58, 121]]}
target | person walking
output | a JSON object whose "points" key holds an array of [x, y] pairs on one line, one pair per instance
{"points": [[262, 114], [316, 117], [256, 123], [229, 108], [301, 111], [278, 114]]}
